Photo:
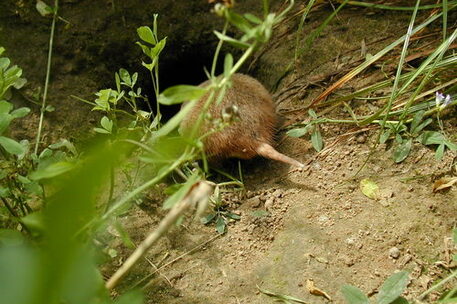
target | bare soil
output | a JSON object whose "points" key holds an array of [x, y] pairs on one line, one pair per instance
{"points": [[295, 226]]}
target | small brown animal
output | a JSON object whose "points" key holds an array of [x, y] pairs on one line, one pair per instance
{"points": [[252, 134]]}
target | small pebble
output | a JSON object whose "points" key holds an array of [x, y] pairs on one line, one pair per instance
{"points": [[394, 253]]}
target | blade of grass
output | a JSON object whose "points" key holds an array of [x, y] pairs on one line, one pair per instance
{"points": [[300, 26], [446, 63], [394, 94], [370, 61], [445, 9], [439, 53], [397, 8]]}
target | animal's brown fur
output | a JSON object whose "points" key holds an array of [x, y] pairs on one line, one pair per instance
{"points": [[252, 134]]}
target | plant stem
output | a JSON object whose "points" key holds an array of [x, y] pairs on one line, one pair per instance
{"points": [[48, 73], [218, 49], [433, 288], [111, 211], [13, 213]]}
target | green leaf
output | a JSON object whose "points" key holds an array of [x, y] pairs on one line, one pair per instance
{"points": [[50, 108], [5, 120], [420, 127], [369, 188], [45, 153], [252, 18], [233, 216], [64, 143], [107, 124], [43, 8], [451, 146], [416, 120], [431, 138], [402, 151], [220, 225], [312, 113], [207, 219], [134, 79], [21, 112], [23, 179], [228, 64], [353, 295], [393, 287], [149, 66], [117, 79], [232, 41], [316, 140], [19, 83], [12, 74], [385, 136], [4, 63], [5, 107], [400, 300], [19, 266], [34, 221], [146, 49], [11, 146], [125, 76], [101, 131], [238, 21], [155, 51], [146, 34], [52, 170], [299, 132], [4, 192], [34, 188], [440, 152], [2, 49], [181, 93], [105, 97]]}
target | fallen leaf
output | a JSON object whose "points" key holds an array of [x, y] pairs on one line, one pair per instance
{"points": [[316, 291], [369, 188], [444, 183]]}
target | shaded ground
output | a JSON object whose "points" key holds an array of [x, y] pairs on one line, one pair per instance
{"points": [[317, 225]]}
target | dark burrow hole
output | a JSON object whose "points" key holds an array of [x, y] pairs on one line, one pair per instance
{"points": [[184, 68]]}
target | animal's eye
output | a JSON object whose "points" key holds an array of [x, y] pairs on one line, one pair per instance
{"points": [[230, 113]]}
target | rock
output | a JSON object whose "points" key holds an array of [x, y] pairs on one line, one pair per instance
{"points": [[394, 253], [254, 202]]}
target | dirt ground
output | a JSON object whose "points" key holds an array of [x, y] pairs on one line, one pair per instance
{"points": [[295, 226]]}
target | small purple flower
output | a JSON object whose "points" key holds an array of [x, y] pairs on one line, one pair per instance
{"points": [[441, 100]]}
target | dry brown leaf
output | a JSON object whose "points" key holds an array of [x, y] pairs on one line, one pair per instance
{"points": [[444, 183], [316, 291]]}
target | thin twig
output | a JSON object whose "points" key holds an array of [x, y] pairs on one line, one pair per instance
{"points": [[198, 194]]}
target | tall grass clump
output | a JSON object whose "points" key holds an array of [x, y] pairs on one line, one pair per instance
{"points": [[419, 98]]}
